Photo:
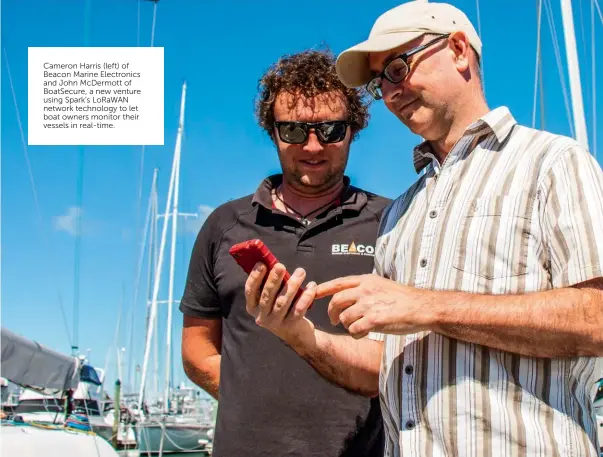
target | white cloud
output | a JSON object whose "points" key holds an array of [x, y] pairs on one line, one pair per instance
{"points": [[194, 225], [68, 222]]}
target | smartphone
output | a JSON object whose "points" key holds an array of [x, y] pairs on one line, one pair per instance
{"points": [[250, 252]]}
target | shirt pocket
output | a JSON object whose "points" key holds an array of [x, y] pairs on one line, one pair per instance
{"points": [[494, 236]]}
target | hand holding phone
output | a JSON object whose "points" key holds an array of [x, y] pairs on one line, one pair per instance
{"points": [[250, 252]]}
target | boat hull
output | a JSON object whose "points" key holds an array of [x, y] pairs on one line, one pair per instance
{"points": [[51, 441], [176, 437]]}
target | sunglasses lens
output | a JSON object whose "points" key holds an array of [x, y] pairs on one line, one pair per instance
{"points": [[327, 132], [332, 132], [291, 133]]}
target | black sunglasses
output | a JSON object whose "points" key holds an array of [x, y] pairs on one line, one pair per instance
{"points": [[397, 69], [297, 132]]}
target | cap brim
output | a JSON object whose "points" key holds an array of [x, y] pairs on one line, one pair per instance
{"points": [[353, 63]]}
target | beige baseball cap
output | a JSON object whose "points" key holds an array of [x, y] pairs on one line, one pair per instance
{"points": [[398, 26]]}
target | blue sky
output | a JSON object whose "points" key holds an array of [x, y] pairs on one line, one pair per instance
{"points": [[221, 49]]}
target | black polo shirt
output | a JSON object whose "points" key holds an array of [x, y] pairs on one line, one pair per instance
{"points": [[273, 403]]}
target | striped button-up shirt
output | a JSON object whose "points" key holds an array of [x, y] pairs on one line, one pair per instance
{"points": [[511, 210]]}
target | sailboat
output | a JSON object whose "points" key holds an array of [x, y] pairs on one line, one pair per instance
{"points": [[89, 399], [170, 429], [33, 366]]}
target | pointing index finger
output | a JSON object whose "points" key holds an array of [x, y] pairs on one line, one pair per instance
{"points": [[336, 285]]}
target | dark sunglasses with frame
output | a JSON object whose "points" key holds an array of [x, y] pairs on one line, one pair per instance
{"points": [[297, 132], [397, 69]]}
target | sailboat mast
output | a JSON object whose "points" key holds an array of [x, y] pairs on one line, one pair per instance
{"points": [[173, 251], [148, 226], [155, 329], [152, 251], [573, 68], [156, 282]]}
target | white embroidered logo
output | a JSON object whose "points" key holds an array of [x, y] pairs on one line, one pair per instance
{"points": [[353, 249]]}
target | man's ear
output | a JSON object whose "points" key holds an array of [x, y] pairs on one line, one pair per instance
{"points": [[460, 46]]}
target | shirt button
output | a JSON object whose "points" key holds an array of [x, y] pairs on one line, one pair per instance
{"points": [[408, 369], [410, 425], [433, 213], [423, 263]]}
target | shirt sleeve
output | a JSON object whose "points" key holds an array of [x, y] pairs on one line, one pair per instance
{"points": [[380, 248], [200, 297], [376, 336], [571, 212]]}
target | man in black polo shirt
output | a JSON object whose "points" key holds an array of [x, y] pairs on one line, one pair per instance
{"points": [[271, 402]]}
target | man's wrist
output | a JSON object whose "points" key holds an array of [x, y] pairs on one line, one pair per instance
{"points": [[435, 306], [302, 344], [450, 308]]}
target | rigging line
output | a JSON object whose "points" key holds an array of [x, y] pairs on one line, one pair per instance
{"points": [[599, 10], [587, 88], [594, 93], [138, 26], [140, 178], [35, 193], [558, 59], [479, 31], [87, 17], [152, 253], [141, 173], [151, 266], [140, 181], [594, 79], [139, 203], [541, 87], [171, 380], [153, 27], [555, 40], [151, 259], [139, 194], [536, 75], [113, 347], [582, 28], [78, 220], [156, 355], [137, 285], [77, 251], [136, 225]]}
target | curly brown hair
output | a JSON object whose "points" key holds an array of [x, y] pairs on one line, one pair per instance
{"points": [[308, 73]]}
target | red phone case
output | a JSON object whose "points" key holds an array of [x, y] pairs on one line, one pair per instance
{"points": [[250, 252]]}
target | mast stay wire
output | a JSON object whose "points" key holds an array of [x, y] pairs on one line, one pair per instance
{"points": [[479, 31], [538, 63], [553, 29], [130, 367], [594, 74], [78, 214], [32, 181]]}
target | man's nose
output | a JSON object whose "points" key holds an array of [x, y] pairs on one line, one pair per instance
{"points": [[391, 91], [312, 144]]}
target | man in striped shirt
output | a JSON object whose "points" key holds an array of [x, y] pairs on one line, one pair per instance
{"points": [[484, 315]]}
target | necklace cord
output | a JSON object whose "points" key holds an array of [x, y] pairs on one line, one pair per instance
{"points": [[302, 216]]}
